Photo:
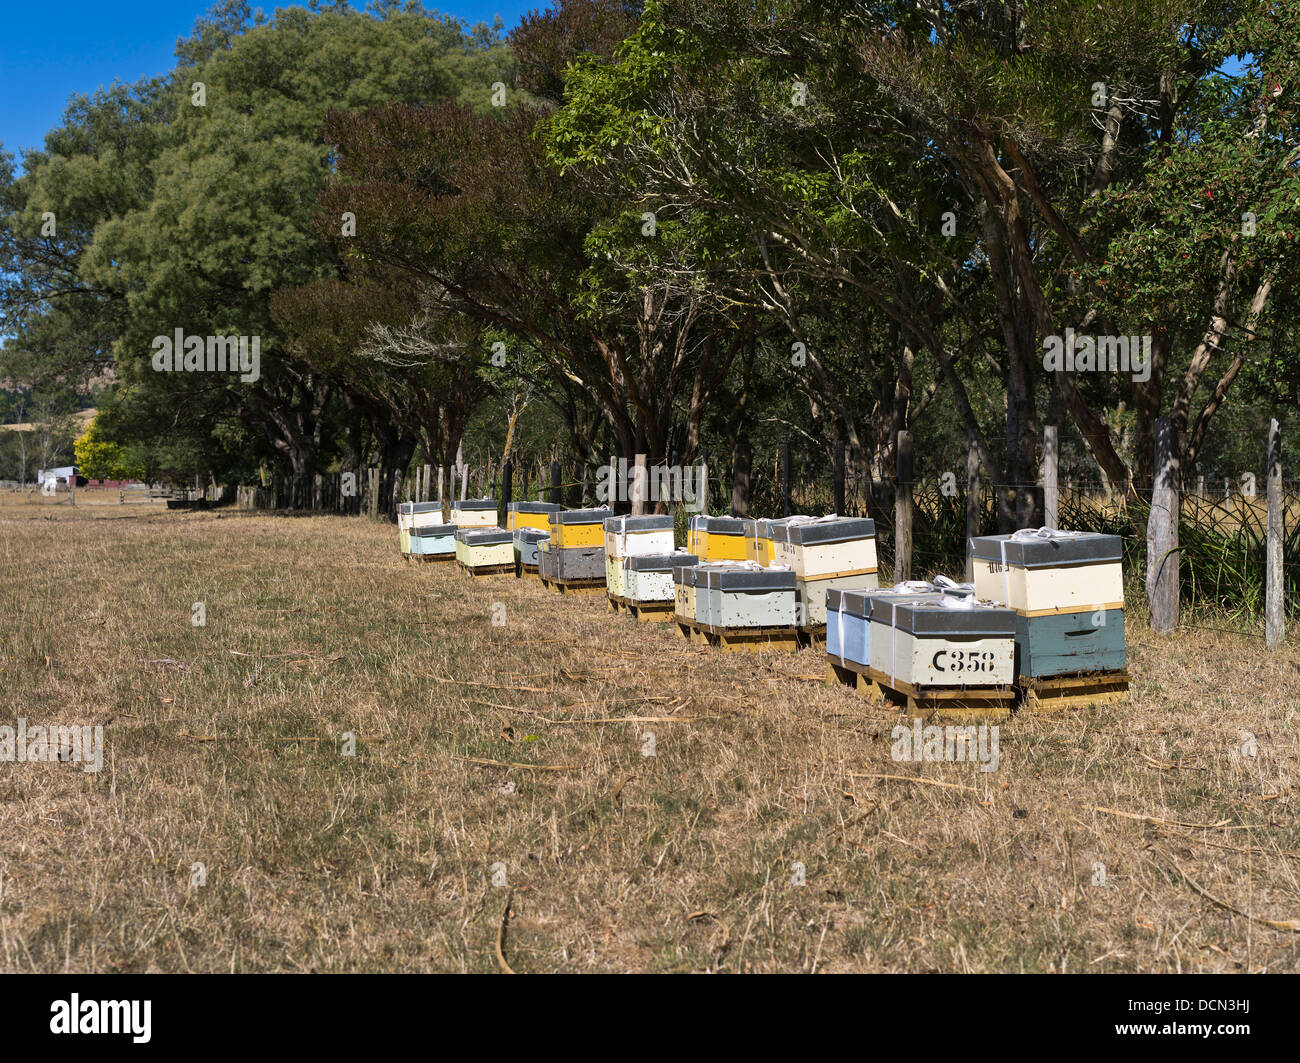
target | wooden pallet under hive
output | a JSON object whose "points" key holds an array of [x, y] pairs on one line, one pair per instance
{"points": [[1050, 693], [929, 702], [739, 639], [642, 612], [573, 586]]}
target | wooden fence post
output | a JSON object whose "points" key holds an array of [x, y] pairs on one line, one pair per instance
{"points": [[785, 479], [837, 479], [638, 486], [903, 510], [1162, 533], [507, 488], [974, 489], [1051, 469], [1274, 620]]}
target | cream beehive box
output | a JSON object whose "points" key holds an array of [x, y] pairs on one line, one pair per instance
{"points": [[530, 515], [826, 547], [478, 548], [474, 513], [1039, 572], [684, 587], [813, 595], [412, 515]]}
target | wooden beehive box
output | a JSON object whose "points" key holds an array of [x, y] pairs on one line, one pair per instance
{"points": [[930, 644], [433, 540], [526, 542], [716, 538], [530, 515], [733, 597], [649, 577], [474, 513], [411, 515], [545, 559], [631, 537], [813, 595], [1039, 574], [684, 587], [1059, 644], [579, 529], [826, 548], [848, 626], [478, 548], [1068, 594], [848, 619], [580, 563]]}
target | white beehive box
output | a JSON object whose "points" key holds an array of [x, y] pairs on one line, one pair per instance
{"points": [[942, 641], [730, 597], [1040, 572], [632, 537], [649, 577]]}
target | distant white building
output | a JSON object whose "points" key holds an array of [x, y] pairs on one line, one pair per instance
{"points": [[63, 474]]}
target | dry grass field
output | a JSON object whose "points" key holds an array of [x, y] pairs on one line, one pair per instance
{"points": [[227, 830]]}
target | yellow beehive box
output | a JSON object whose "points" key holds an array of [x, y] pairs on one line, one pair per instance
{"points": [[530, 515], [716, 538], [575, 528]]}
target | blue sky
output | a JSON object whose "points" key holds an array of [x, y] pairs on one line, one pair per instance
{"points": [[53, 49]]}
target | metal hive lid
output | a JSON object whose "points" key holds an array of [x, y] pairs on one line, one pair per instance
{"points": [[846, 530], [580, 516], [748, 580], [484, 536], [855, 602], [533, 507], [718, 525], [467, 504], [933, 618], [1048, 552], [654, 522], [661, 562]]}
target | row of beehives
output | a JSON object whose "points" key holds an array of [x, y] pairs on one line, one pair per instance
{"points": [[1043, 604], [475, 541]]}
